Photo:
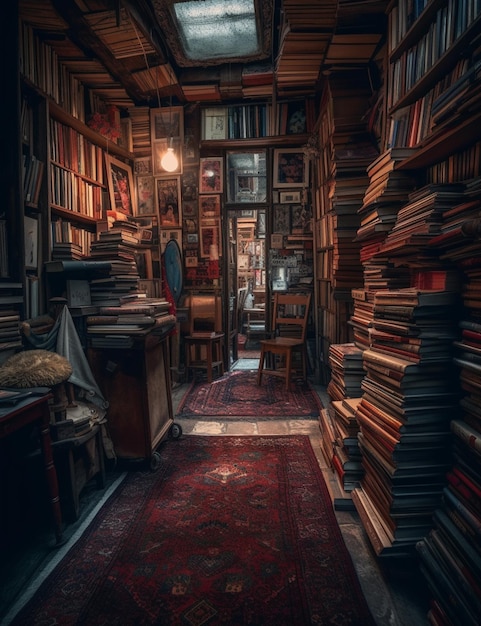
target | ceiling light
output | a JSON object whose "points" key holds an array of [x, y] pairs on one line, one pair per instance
{"points": [[169, 161]]}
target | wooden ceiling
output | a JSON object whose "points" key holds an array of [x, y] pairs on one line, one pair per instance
{"points": [[118, 49]]}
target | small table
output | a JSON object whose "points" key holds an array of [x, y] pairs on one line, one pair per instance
{"points": [[31, 410]]}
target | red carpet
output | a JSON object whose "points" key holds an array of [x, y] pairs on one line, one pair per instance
{"points": [[236, 395], [229, 530]]}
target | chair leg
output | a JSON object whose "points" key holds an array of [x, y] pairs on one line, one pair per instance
{"points": [[261, 365], [288, 369]]}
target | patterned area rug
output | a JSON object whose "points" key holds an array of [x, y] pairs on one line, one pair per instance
{"points": [[237, 395], [229, 530]]}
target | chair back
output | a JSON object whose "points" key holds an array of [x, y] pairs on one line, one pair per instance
{"points": [[205, 313], [291, 314]]}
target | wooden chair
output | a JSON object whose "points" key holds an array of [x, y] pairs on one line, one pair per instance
{"points": [[204, 346], [290, 317]]}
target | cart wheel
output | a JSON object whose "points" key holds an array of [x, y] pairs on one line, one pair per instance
{"points": [[155, 461], [175, 430]]}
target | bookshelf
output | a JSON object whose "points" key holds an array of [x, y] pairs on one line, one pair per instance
{"points": [[240, 122], [62, 175]]}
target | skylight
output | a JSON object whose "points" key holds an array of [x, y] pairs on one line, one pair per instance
{"points": [[211, 29]]}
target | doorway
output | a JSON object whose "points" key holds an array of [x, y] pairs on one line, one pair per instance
{"points": [[247, 281]]}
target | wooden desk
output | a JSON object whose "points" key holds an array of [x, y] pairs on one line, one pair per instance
{"points": [[35, 409]]}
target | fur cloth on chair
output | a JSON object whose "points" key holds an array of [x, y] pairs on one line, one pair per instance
{"points": [[34, 368]]}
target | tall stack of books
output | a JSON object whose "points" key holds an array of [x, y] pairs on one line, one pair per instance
{"points": [[119, 246], [450, 554], [407, 403]]}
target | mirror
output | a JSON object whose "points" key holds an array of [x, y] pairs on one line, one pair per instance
{"points": [[246, 177]]}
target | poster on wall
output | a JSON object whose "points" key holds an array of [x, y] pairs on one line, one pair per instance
{"points": [[168, 201]]}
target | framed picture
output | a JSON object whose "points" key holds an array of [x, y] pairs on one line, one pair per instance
{"points": [[120, 185], [289, 197], [167, 234], [192, 238], [191, 261], [210, 239], [145, 195], [301, 218], [166, 123], [189, 207], [282, 219], [143, 166], [247, 213], [290, 168], [211, 175], [209, 206], [261, 225], [167, 191], [277, 240], [190, 184]]}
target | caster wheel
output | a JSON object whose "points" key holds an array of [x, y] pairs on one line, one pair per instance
{"points": [[155, 461], [175, 431]]}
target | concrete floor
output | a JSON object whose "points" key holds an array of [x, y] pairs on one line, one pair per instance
{"points": [[394, 588]]}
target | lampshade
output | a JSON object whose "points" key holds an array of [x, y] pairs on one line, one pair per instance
{"points": [[169, 161]]}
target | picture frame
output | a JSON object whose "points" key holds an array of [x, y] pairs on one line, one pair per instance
{"points": [[120, 184], [301, 218], [210, 241], [282, 219], [209, 206], [145, 204], [189, 207], [190, 184], [277, 240], [167, 194], [166, 124], [211, 175], [143, 166], [290, 168], [289, 197], [159, 148], [191, 261], [167, 234]]}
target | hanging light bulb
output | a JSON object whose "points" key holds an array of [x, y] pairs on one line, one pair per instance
{"points": [[169, 161]]}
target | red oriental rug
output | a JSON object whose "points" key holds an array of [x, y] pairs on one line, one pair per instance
{"points": [[236, 395], [229, 530]]}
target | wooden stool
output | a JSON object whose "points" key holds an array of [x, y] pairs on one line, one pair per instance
{"points": [[205, 354]]}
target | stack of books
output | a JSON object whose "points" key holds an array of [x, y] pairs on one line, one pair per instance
{"points": [[345, 360], [408, 399]]}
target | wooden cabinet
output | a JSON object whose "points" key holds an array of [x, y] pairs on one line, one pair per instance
{"points": [[136, 382]]}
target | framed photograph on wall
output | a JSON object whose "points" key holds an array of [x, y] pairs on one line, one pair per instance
{"points": [[145, 195], [289, 197], [167, 193], [190, 184], [166, 123], [290, 168], [282, 219], [209, 206], [210, 243], [143, 166], [211, 175], [120, 183], [170, 233]]}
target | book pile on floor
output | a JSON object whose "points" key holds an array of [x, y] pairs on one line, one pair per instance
{"points": [[346, 458], [407, 403], [345, 361]]}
